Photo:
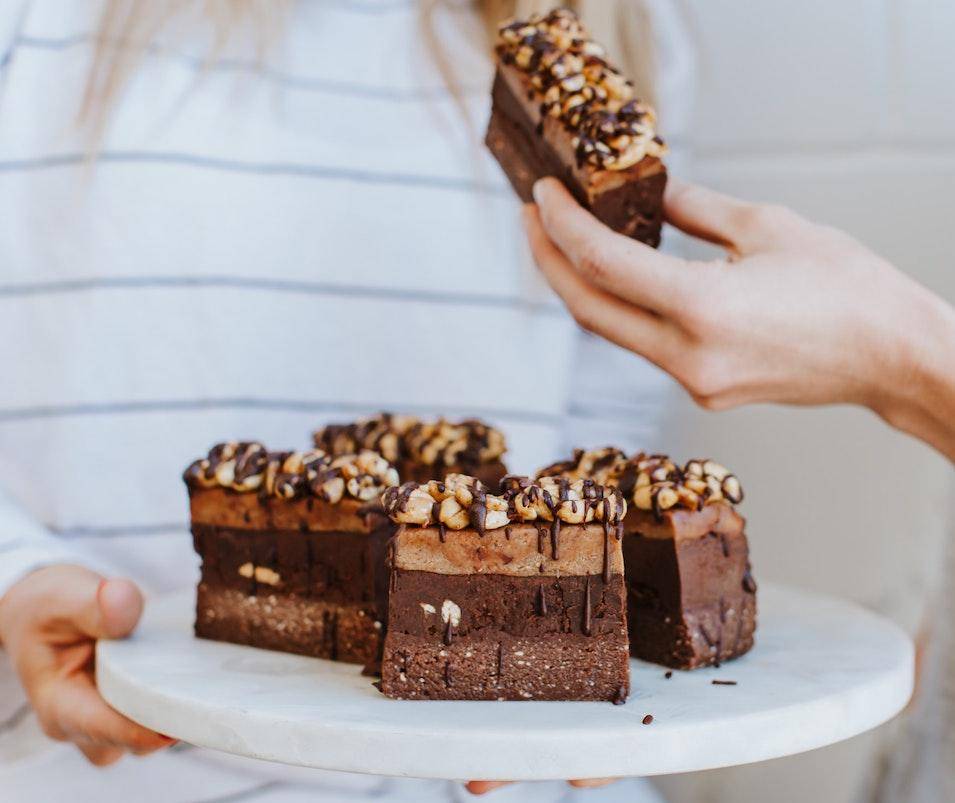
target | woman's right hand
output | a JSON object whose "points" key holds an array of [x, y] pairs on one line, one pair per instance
{"points": [[49, 623]]}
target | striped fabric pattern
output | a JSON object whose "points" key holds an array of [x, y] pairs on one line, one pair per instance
{"points": [[262, 246]]}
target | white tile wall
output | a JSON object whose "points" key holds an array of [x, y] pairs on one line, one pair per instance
{"points": [[802, 74], [846, 112], [922, 82]]}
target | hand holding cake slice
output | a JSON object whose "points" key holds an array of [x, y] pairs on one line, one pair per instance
{"points": [[560, 108], [518, 596]]}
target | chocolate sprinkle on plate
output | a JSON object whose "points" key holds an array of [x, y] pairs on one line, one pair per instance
{"points": [[723, 682], [648, 719]]}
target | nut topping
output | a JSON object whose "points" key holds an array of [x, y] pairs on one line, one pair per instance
{"points": [[574, 82], [248, 466], [651, 482], [468, 443], [461, 501]]}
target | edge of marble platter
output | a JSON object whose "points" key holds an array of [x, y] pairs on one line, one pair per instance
{"points": [[822, 670]]}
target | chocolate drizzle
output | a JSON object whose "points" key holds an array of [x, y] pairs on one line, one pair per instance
{"points": [[621, 696], [588, 611], [478, 510], [500, 660], [541, 601], [448, 633]]}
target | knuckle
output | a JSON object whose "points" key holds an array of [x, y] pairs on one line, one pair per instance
{"points": [[585, 317], [705, 379]]}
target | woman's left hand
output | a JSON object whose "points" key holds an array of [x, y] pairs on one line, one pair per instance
{"points": [[797, 313]]}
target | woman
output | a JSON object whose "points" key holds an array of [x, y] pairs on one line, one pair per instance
{"points": [[797, 313], [285, 223]]}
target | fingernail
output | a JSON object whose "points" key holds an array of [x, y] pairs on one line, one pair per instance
{"points": [[99, 590]]}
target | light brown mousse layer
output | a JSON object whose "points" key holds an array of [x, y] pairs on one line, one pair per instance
{"points": [[518, 550], [682, 524], [249, 511]]}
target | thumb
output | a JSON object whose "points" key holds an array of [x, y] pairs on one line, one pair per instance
{"points": [[82, 601], [119, 604]]}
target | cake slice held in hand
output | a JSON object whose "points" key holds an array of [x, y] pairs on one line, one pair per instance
{"points": [[518, 596], [560, 108]]}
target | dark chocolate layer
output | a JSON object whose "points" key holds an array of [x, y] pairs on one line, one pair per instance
{"points": [[492, 604], [691, 602], [316, 593]]}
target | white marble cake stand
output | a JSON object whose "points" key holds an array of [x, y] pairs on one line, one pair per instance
{"points": [[822, 670]]}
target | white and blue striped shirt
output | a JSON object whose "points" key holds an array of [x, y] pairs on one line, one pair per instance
{"points": [[261, 246]]}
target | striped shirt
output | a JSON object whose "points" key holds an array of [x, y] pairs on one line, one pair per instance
{"points": [[262, 246]]}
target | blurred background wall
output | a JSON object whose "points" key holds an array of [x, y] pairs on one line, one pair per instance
{"points": [[844, 111]]}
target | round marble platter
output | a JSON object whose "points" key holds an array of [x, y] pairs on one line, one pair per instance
{"points": [[822, 670]]}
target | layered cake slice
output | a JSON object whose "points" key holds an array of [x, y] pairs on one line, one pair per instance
{"points": [[293, 549], [560, 108], [691, 597], [423, 450], [518, 596]]}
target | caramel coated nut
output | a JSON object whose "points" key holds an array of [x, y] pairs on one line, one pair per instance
{"points": [[415, 508], [713, 469], [333, 490], [452, 514]]}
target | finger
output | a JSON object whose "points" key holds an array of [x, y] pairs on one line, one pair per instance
{"points": [[483, 787], [622, 266], [739, 226], [705, 213], [93, 607], [606, 315], [100, 756], [74, 709], [591, 783]]}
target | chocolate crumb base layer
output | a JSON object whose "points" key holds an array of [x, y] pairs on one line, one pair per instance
{"points": [[630, 202], [289, 623], [506, 637], [561, 667], [690, 602]]}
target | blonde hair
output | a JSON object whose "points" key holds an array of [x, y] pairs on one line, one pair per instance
{"points": [[127, 29]]}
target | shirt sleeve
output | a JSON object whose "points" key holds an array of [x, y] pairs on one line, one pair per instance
{"points": [[26, 545]]}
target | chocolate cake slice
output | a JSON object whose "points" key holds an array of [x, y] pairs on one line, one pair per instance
{"points": [[423, 450], [512, 597], [560, 108], [691, 597], [293, 549]]}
